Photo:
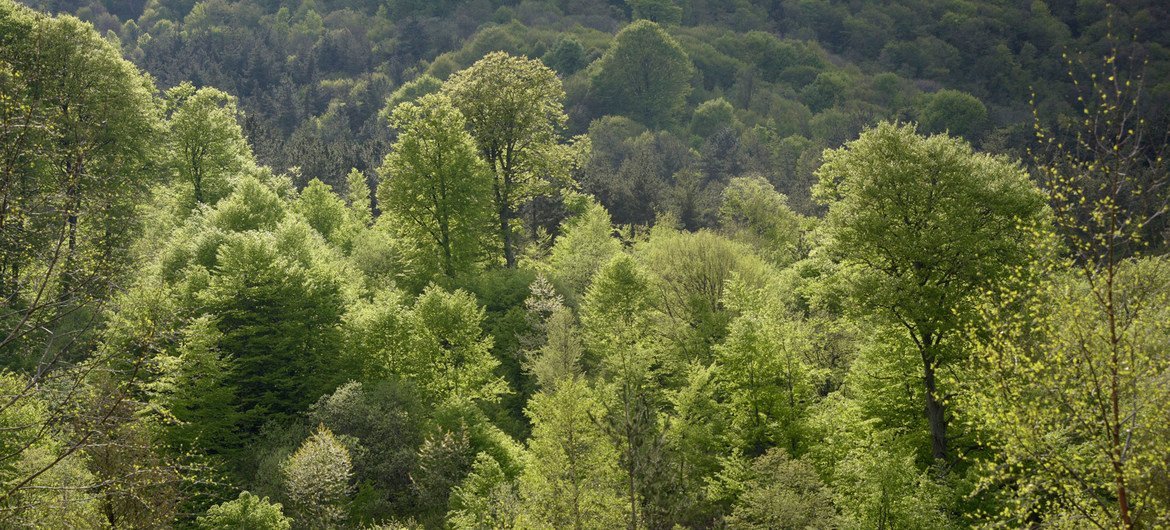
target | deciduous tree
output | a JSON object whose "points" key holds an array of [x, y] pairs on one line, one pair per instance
{"points": [[924, 222]]}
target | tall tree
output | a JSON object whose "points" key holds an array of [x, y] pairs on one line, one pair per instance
{"points": [[78, 125], [571, 479], [279, 321], [206, 146], [434, 181], [923, 222], [618, 316], [1073, 375], [514, 110], [645, 74]]}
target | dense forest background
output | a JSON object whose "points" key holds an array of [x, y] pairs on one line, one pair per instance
{"points": [[555, 264]]}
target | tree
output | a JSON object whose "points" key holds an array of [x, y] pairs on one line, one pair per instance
{"points": [[955, 112], [712, 116], [691, 272], [248, 512], [317, 480], [485, 500], [645, 74], [433, 180], [567, 56], [382, 424], [765, 373], [660, 11], [57, 495], [513, 108], [560, 356], [571, 478], [1073, 370], [618, 319], [782, 493], [449, 356], [585, 244], [357, 197], [923, 222], [78, 126], [323, 210], [279, 321], [194, 388], [206, 146], [754, 212]]}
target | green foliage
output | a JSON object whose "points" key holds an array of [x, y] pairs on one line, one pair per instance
{"points": [[51, 498], [248, 512], [691, 272], [357, 197], [923, 222], [560, 356], [1040, 398], [782, 493], [206, 147], [179, 322], [570, 478], [755, 213], [485, 500], [514, 111], [712, 116], [323, 210], [317, 479], [764, 373], [381, 423], [660, 11], [434, 183], [411, 92], [251, 206], [827, 90], [195, 391], [586, 242], [277, 320], [645, 74], [956, 112], [871, 471], [449, 358], [566, 56]]}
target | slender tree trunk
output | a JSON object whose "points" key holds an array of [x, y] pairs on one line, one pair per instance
{"points": [[1116, 445]]}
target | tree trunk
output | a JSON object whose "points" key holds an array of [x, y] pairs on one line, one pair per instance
{"points": [[935, 413]]}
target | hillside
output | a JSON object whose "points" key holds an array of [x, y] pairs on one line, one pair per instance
{"points": [[653, 264]]}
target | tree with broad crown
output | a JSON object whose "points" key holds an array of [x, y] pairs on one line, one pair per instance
{"points": [[924, 222], [514, 110], [207, 145], [449, 357], [433, 180], [645, 74]]}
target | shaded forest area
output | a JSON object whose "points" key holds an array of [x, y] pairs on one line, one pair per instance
{"points": [[650, 264]]}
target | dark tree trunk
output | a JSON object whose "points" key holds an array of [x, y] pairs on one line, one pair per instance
{"points": [[935, 412]]}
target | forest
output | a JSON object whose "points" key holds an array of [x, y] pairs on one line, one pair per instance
{"points": [[595, 264]]}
